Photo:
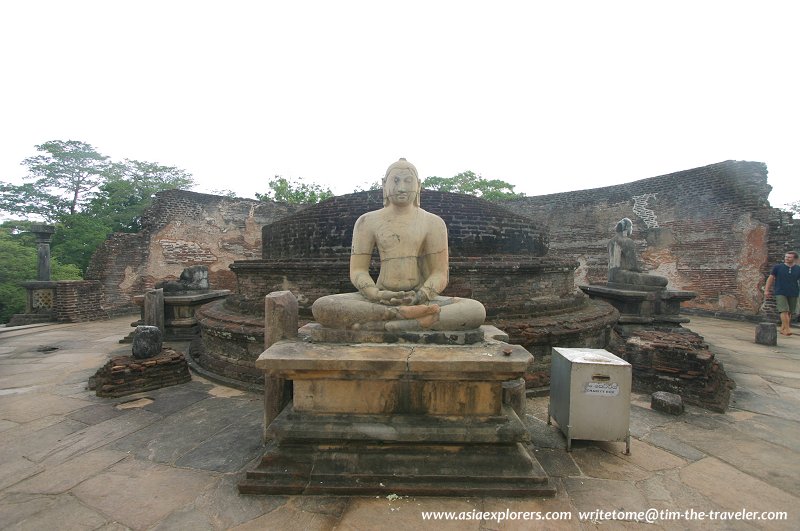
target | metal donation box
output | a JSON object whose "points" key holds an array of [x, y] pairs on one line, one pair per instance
{"points": [[590, 395]]}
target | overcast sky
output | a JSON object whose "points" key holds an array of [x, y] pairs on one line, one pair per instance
{"points": [[549, 96]]}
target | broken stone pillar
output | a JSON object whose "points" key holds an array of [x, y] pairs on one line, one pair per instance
{"points": [[154, 308], [280, 322], [44, 233], [147, 342], [766, 334]]}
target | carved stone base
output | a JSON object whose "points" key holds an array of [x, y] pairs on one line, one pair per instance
{"points": [[637, 305], [317, 333], [360, 468], [414, 419], [180, 321]]}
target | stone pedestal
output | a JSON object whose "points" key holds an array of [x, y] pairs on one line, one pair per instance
{"points": [[415, 419], [40, 304], [637, 305], [180, 321]]}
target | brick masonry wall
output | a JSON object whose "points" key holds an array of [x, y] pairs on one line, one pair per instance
{"points": [[709, 230], [179, 230], [475, 227], [506, 285], [78, 301]]}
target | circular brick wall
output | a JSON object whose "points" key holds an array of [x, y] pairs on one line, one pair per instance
{"points": [[496, 257], [475, 227]]}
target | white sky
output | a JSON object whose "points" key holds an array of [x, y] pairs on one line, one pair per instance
{"points": [[547, 95]]}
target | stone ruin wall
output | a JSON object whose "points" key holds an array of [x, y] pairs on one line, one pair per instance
{"points": [[709, 230], [179, 230]]}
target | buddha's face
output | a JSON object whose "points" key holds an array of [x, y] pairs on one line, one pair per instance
{"points": [[401, 187]]}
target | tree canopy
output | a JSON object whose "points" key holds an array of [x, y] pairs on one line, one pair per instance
{"points": [[295, 191], [65, 176], [129, 190], [467, 182], [85, 195]]}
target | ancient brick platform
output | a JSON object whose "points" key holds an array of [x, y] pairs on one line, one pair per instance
{"points": [[677, 361], [124, 375], [402, 418]]}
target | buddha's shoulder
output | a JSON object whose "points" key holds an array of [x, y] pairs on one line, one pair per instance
{"points": [[368, 217], [430, 217]]}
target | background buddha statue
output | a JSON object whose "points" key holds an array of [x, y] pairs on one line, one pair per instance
{"points": [[623, 264]]}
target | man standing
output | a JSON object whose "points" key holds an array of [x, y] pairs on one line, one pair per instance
{"points": [[786, 279]]}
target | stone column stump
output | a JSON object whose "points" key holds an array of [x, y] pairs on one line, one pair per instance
{"points": [[280, 322], [766, 334]]}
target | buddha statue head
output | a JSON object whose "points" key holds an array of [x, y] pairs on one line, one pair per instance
{"points": [[399, 171], [624, 227]]}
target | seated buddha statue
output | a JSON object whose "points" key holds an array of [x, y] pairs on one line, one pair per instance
{"points": [[623, 264], [412, 245]]}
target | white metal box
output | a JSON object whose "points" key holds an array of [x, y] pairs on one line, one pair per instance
{"points": [[590, 395]]}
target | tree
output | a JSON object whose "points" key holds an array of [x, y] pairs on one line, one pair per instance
{"points": [[467, 182], [77, 236], [296, 192], [86, 196], [129, 190], [66, 175], [18, 259], [794, 207]]}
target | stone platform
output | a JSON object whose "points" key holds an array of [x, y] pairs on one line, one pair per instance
{"points": [[71, 460], [402, 418], [637, 305], [125, 375]]}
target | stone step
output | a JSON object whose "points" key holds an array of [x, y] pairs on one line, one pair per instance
{"points": [[409, 469]]}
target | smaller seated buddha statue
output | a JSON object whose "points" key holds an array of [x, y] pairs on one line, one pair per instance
{"points": [[412, 245], [624, 267]]}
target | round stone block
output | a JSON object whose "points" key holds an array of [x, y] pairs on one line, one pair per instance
{"points": [[147, 342]]}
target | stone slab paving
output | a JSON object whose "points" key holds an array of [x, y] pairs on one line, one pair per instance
{"points": [[171, 459]]}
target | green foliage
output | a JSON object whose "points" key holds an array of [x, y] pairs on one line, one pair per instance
{"points": [[77, 236], [18, 258], [296, 192], [129, 190], [17, 264], [66, 175], [467, 182], [794, 207], [86, 195]]}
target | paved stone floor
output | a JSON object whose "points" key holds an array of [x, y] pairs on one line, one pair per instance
{"points": [[170, 459]]}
